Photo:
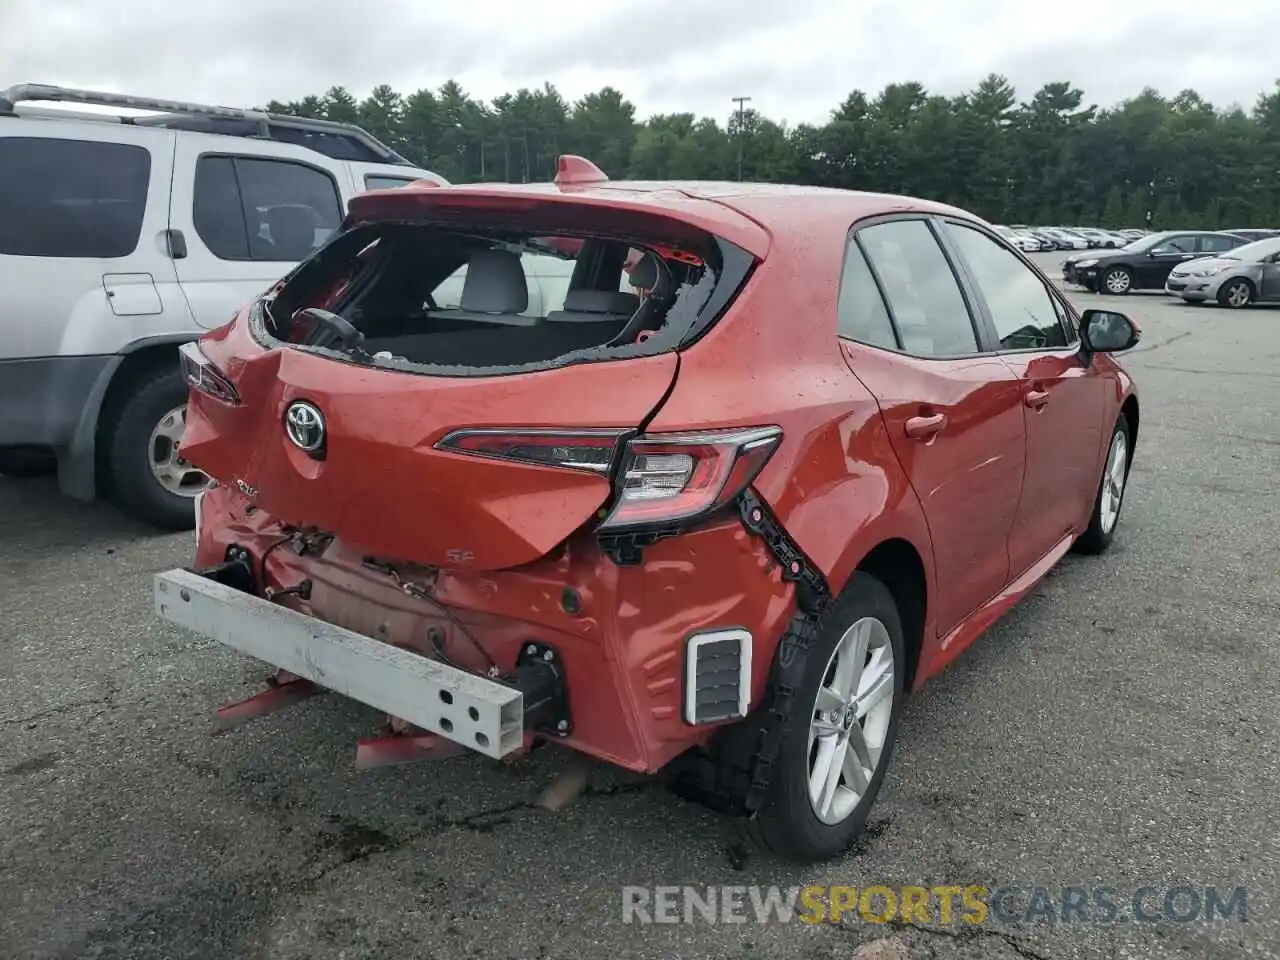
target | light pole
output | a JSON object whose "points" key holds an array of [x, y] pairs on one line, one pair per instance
{"points": [[741, 102]]}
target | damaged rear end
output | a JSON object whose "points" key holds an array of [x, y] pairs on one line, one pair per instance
{"points": [[435, 493]]}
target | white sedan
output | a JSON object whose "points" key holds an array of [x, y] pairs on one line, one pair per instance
{"points": [[1023, 241]]}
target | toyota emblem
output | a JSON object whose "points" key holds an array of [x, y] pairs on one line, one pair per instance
{"points": [[304, 425]]}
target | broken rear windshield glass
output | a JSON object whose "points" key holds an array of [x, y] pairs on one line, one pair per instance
{"points": [[421, 295]]}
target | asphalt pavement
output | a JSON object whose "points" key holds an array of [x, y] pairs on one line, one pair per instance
{"points": [[1120, 728]]}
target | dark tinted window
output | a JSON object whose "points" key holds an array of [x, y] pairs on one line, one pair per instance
{"points": [[929, 311], [218, 216], [861, 312], [373, 181], [1213, 244], [71, 198], [1185, 243], [248, 209], [1024, 313]]}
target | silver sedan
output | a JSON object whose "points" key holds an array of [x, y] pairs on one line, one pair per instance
{"points": [[1245, 275]]}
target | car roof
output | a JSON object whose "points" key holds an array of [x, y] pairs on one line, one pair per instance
{"points": [[751, 215]]}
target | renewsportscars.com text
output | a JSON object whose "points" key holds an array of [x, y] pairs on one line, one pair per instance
{"points": [[935, 905]]}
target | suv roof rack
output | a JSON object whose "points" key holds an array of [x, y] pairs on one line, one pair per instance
{"points": [[339, 141]]}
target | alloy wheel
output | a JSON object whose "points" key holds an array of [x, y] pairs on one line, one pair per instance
{"points": [[1238, 294], [850, 720], [1113, 478], [1117, 281], [170, 470]]}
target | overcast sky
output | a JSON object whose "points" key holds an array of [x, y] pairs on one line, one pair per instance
{"points": [[796, 58]]}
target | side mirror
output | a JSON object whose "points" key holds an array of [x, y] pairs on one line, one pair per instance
{"points": [[1105, 331]]}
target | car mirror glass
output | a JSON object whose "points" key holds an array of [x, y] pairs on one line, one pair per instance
{"points": [[1108, 331]]}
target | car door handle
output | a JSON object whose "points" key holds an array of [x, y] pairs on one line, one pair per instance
{"points": [[1035, 399], [923, 428]]}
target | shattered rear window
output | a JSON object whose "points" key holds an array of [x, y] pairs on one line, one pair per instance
{"points": [[441, 299]]}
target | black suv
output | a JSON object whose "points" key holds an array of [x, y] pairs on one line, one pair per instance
{"points": [[1145, 263]]}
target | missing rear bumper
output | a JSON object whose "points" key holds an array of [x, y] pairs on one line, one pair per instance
{"points": [[477, 712]]}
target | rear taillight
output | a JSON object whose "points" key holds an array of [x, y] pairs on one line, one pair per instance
{"points": [[660, 479], [591, 450], [202, 375], [677, 477]]}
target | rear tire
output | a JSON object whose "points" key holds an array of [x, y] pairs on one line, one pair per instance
{"points": [[1111, 490], [132, 449], [1236, 294], [860, 644]]}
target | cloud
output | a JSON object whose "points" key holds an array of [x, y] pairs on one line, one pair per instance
{"points": [[797, 59]]}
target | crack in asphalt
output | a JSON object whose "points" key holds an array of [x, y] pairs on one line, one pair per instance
{"points": [[108, 700], [973, 934], [1258, 374], [1162, 343], [359, 844]]}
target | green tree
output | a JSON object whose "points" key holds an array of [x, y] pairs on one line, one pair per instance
{"points": [[1113, 214], [1047, 158]]}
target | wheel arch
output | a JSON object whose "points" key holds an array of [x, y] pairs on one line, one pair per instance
{"points": [[1130, 411], [897, 564], [82, 471]]}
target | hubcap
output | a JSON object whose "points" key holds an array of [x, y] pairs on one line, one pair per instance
{"points": [[1238, 295], [1113, 477], [170, 470], [850, 720], [1117, 281]]}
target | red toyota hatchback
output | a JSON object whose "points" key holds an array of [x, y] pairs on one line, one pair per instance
{"points": [[780, 456]]}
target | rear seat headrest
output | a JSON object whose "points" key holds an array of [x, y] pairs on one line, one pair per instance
{"points": [[495, 283], [645, 273], [601, 301]]}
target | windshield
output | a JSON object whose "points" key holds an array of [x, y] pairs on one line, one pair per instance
{"points": [[1253, 252]]}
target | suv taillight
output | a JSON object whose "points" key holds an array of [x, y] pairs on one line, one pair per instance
{"points": [[661, 478], [202, 375]]}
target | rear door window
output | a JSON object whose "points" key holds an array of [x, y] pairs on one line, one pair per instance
{"points": [[71, 198], [266, 210], [928, 310], [1210, 243]]}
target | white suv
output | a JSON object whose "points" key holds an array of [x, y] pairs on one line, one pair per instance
{"points": [[123, 237]]}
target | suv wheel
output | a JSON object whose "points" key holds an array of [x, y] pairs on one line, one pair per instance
{"points": [[151, 482], [1117, 280], [1106, 506], [841, 734]]}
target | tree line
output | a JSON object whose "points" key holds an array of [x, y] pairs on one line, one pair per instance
{"points": [[1168, 162]]}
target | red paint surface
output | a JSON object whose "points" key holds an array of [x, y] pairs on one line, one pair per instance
{"points": [[988, 505]]}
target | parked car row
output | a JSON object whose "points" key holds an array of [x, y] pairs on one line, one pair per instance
{"points": [[1043, 239], [1232, 268]]}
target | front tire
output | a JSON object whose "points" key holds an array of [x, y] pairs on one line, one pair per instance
{"points": [[150, 481], [1111, 488], [839, 740], [1117, 281], [1236, 293]]}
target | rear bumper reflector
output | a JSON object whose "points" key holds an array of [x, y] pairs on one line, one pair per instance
{"points": [[471, 710], [717, 676]]}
